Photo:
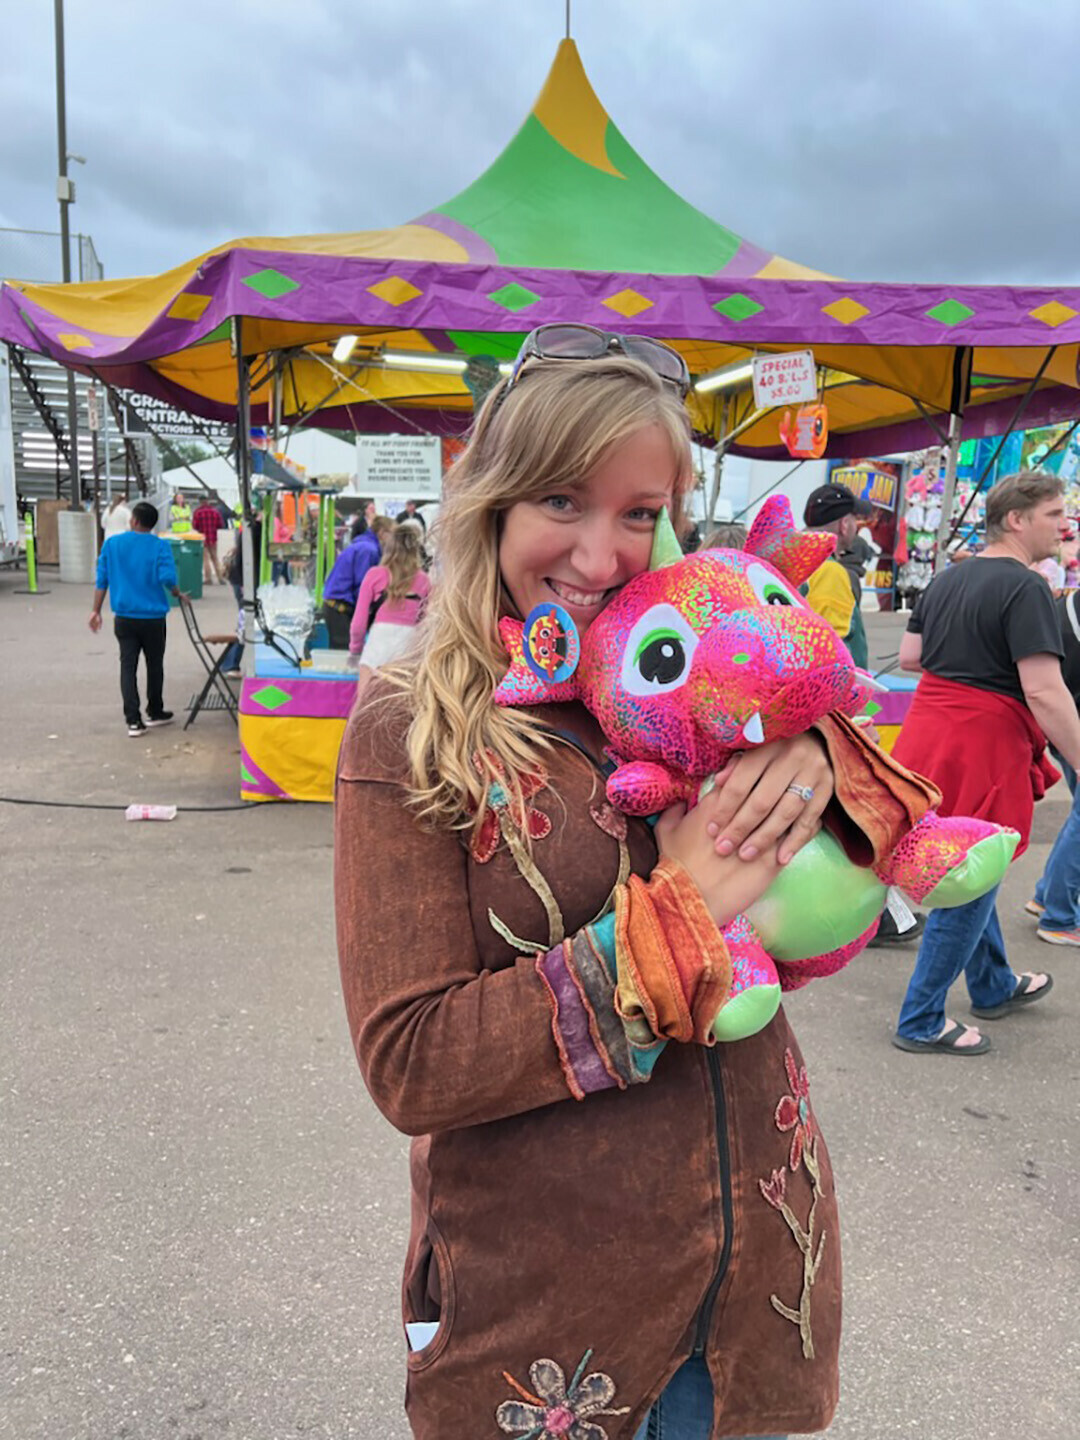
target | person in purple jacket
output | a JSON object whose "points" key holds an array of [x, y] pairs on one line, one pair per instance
{"points": [[344, 581]]}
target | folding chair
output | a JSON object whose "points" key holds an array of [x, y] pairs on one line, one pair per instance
{"points": [[216, 694]]}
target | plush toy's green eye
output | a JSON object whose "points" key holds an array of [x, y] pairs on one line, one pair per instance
{"points": [[776, 595], [768, 587], [660, 657]]}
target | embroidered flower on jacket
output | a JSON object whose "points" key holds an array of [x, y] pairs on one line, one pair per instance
{"points": [[610, 820], [775, 1189], [558, 1410], [793, 1111], [501, 813]]}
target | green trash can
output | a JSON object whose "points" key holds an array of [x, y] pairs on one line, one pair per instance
{"points": [[188, 557]]}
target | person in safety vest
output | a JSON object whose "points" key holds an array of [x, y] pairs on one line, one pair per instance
{"points": [[179, 514]]}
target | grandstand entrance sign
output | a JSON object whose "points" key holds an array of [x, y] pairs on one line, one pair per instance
{"points": [[143, 414]]}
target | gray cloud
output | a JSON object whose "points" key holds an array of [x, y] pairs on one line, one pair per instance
{"points": [[918, 142]]}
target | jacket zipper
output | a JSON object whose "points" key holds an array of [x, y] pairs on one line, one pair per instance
{"points": [[701, 1334]]}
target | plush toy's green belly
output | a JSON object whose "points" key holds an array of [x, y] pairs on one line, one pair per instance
{"points": [[819, 902]]}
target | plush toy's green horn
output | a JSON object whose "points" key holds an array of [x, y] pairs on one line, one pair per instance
{"points": [[666, 549]]}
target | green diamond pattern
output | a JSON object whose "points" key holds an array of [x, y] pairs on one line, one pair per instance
{"points": [[219, 332], [737, 307], [271, 697], [514, 297], [245, 774], [271, 283], [950, 312], [872, 708]]}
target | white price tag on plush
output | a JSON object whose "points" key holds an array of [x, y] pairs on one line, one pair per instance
{"points": [[898, 908]]}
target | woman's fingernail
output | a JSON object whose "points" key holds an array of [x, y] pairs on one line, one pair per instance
{"points": [[725, 847], [712, 829], [783, 858], [748, 852]]}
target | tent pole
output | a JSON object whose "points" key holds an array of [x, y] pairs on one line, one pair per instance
{"points": [[961, 385], [718, 466], [952, 451], [243, 475]]}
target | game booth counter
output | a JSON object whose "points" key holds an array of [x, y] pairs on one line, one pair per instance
{"points": [[291, 724], [403, 330]]}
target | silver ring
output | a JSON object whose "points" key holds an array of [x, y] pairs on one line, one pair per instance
{"points": [[804, 792]]}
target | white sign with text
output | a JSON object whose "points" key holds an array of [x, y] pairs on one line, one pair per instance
{"points": [[784, 379], [408, 466]]}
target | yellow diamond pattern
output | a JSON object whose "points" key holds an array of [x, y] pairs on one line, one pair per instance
{"points": [[72, 340], [847, 311], [188, 307], [1053, 313], [628, 303], [394, 291]]}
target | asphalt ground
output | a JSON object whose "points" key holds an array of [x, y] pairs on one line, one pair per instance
{"points": [[202, 1216]]}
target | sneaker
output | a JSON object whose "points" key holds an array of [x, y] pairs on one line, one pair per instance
{"points": [[137, 729], [1034, 908], [165, 718], [1059, 937]]}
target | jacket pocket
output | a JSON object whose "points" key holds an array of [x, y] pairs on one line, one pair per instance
{"points": [[428, 1295]]}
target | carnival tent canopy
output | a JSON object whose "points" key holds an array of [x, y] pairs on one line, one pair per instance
{"points": [[568, 223]]}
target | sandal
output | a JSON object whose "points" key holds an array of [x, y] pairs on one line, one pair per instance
{"points": [[1022, 995], [947, 1043]]}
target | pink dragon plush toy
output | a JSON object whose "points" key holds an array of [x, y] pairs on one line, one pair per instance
{"points": [[712, 653]]}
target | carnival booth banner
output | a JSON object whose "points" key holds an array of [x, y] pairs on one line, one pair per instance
{"points": [[869, 480]]}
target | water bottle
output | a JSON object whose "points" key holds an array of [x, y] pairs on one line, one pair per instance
{"points": [[150, 812]]}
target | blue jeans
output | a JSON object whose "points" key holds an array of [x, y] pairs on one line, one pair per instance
{"points": [[1059, 887], [967, 938], [684, 1409]]}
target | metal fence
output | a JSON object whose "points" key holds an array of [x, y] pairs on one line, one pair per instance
{"points": [[34, 255]]}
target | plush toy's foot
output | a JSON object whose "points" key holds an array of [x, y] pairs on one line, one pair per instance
{"points": [[946, 861], [747, 1013], [755, 985]]}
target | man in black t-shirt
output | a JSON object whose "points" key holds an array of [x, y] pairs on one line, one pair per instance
{"points": [[986, 636]]}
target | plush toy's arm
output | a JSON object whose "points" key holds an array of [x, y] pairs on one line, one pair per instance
{"points": [[519, 686], [645, 787]]}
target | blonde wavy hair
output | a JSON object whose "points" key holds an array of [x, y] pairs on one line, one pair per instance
{"points": [[544, 433], [403, 556]]}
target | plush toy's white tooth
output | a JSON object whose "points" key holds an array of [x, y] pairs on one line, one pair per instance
{"points": [[753, 730], [871, 682]]}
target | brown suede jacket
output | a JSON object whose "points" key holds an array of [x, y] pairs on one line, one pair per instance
{"points": [[575, 1248]]}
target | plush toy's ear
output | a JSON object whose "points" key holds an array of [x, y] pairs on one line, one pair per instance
{"points": [[520, 686], [795, 553]]}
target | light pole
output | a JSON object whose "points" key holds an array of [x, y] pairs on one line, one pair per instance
{"points": [[65, 193]]}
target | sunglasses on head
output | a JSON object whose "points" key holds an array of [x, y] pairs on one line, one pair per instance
{"points": [[586, 342]]}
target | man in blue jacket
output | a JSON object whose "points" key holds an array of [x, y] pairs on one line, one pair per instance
{"points": [[344, 581], [136, 569]]}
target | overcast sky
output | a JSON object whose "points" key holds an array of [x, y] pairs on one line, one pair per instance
{"points": [[916, 140]]}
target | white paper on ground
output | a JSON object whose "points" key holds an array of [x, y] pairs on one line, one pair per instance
{"points": [[898, 908], [420, 1333]]}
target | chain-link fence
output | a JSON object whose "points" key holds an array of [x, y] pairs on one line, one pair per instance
{"points": [[34, 255]]}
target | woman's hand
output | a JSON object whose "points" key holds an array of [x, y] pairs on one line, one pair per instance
{"points": [[728, 884], [756, 811]]}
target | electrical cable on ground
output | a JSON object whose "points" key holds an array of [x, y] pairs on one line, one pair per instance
{"points": [[93, 805]]}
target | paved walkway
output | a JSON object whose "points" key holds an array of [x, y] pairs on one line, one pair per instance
{"points": [[202, 1216]]}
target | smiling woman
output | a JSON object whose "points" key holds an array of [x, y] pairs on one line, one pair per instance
{"points": [[534, 945]]}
